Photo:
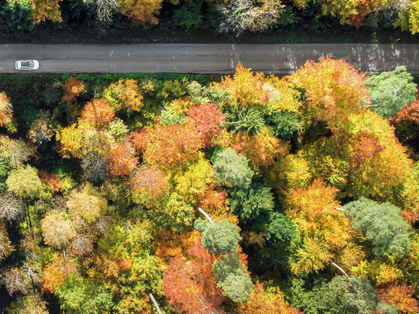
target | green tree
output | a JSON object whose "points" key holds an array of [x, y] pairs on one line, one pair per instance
{"points": [[382, 225], [391, 91], [187, 17], [220, 237], [284, 124], [277, 226], [249, 203], [247, 119], [127, 267], [232, 170], [348, 296], [31, 303], [232, 276], [80, 295]]}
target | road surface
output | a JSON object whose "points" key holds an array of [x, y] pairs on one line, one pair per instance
{"points": [[204, 58]]}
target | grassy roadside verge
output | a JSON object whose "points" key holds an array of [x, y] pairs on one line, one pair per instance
{"points": [[164, 34]]}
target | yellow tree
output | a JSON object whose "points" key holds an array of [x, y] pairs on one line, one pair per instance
{"points": [[140, 11], [124, 95], [269, 94], [333, 89], [324, 231], [46, 9], [6, 109], [262, 301]]}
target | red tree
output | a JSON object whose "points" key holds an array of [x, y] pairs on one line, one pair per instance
{"points": [[97, 112], [208, 120], [400, 296], [121, 160], [190, 285], [149, 183], [171, 145]]}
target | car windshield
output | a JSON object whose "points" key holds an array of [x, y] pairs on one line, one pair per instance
{"points": [[27, 64]]}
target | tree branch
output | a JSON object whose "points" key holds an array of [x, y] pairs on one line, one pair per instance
{"points": [[154, 302], [205, 214], [341, 269]]}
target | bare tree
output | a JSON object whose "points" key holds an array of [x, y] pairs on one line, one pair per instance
{"points": [[251, 15], [10, 206], [82, 244], [14, 280], [5, 245]]}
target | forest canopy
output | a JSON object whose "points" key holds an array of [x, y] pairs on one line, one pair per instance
{"points": [[249, 193], [234, 16]]}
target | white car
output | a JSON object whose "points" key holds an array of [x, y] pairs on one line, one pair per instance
{"points": [[27, 65]]}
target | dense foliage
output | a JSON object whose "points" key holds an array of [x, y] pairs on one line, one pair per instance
{"points": [[253, 194], [235, 16]]}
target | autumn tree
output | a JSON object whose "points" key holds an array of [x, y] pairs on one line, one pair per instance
{"points": [[333, 89], [51, 180], [382, 225], [244, 88], [82, 295], [148, 184], [10, 206], [350, 12], [262, 149], [6, 109], [121, 160], [289, 172], [6, 246], [97, 113], [208, 120], [232, 170], [313, 211], [170, 145], [70, 141], [124, 263], [408, 17], [31, 303], [124, 96], [15, 151], [24, 182], [391, 91], [141, 12], [72, 89], [197, 184], [400, 295], [41, 130], [172, 211], [118, 129], [57, 231], [95, 168], [88, 204], [14, 280], [247, 15], [262, 301], [46, 9], [407, 123], [190, 285]]}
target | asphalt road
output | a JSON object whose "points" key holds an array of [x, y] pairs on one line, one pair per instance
{"points": [[205, 59]]}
